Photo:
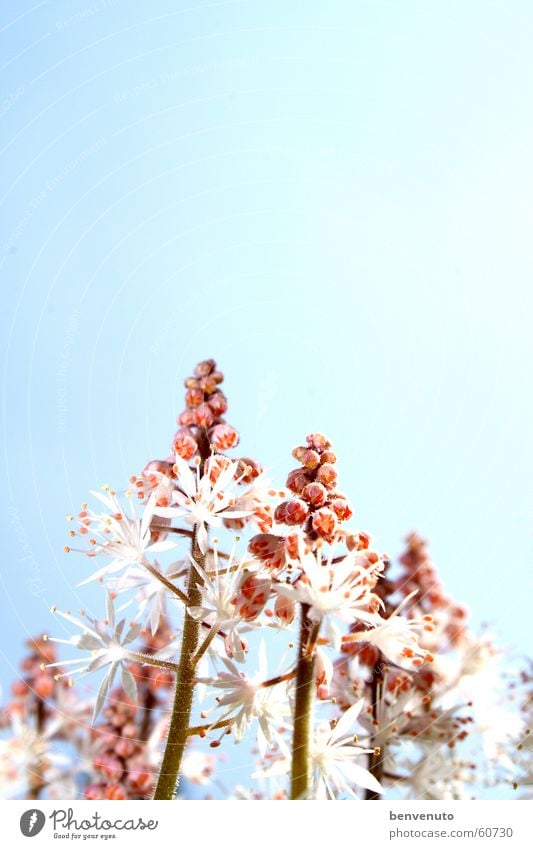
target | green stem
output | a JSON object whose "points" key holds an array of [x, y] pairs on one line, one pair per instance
{"points": [[178, 731], [301, 768]]}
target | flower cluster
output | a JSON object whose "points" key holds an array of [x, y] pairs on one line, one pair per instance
{"points": [[372, 666]]}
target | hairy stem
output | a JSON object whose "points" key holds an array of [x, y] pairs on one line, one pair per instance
{"points": [[375, 760], [36, 781], [301, 769], [178, 731]]}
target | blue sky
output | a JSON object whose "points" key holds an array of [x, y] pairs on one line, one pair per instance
{"points": [[334, 201]]}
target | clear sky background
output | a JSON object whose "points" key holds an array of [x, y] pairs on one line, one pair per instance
{"points": [[334, 200]]}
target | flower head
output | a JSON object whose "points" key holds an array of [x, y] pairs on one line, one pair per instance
{"points": [[247, 699], [125, 540], [342, 591], [106, 646], [204, 499]]}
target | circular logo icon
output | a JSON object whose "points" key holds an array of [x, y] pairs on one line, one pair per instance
{"points": [[32, 822]]}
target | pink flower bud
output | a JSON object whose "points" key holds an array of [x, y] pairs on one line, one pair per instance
{"points": [[94, 792], [194, 397], [162, 466], [341, 508], [252, 595], [317, 441], [357, 541], [116, 791], [270, 549], [204, 368], [293, 512], [19, 688], [124, 747], [111, 767], [298, 452], [310, 459], [184, 445], [235, 524], [329, 457], [327, 475], [140, 778], [203, 417], [325, 523], [292, 546], [248, 470], [285, 609], [218, 403], [315, 494], [187, 418], [208, 384], [223, 437], [43, 686], [323, 671], [297, 480]]}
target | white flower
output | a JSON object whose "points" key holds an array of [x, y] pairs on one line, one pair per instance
{"points": [[106, 647], [246, 699], [437, 775], [342, 590], [198, 767], [200, 502], [124, 539], [26, 753], [333, 753], [151, 596], [395, 637], [220, 593]]}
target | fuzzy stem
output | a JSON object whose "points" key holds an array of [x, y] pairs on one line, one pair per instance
{"points": [[149, 660], [178, 731], [301, 771], [166, 583], [36, 781], [375, 764], [203, 729]]}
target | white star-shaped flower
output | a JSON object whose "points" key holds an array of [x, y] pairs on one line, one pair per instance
{"points": [[341, 591], [106, 647], [200, 501], [126, 540], [246, 699]]}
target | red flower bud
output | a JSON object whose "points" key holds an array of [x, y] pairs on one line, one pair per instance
{"points": [[223, 437], [310, 459], [116, 791], [184, 445], [187, 418], [297, 480], [315, 494], [194, 397], [325, 523], [327, 475], [204, 368], [270, 549], [293, 512], [94, 792], [317, 441], [357, 541], [341, 508], [203, 417], [252, 596], [218, 403], [285, 609], [43, 686]]}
